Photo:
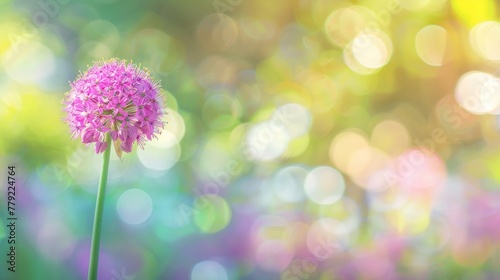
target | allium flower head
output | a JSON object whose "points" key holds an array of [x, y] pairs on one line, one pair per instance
{"points": [[116, 97]]}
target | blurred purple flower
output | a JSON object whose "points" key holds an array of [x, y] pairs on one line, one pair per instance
{"points": [[116, 97]]}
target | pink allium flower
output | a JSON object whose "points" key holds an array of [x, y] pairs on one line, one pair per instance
{"points": [[116, 97]]}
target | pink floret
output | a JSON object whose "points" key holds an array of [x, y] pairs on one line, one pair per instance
{"points": [[118, 98]]}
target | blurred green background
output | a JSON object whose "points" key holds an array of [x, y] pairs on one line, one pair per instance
{"points": [[306, 139]]}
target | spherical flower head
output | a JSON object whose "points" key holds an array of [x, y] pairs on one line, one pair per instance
{"points": [[114, 97]]}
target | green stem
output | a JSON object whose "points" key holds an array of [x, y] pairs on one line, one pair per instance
{"points": [[99, 207]]}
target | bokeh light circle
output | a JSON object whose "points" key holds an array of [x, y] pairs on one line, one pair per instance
{"points": [[134, 206], [324, 185], [478, 92], [389, 199], [343, 24], [273, 255], [33, 63], [221, 111], [430, 43], [55, 240], [213, 213], [160, 159], [345, 211], [156, 50], [208, 270], [391, 136], [365, 167], [100, 38], [344, 145], [288, 183], [327, 238], [217, 32], [266, 141], [372, 51], [173, 131], [485, 39], [295, 118]]}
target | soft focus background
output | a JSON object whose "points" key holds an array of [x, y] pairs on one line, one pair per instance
{"points": [[306, 139]]}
